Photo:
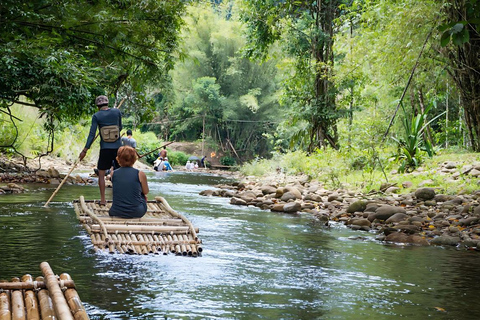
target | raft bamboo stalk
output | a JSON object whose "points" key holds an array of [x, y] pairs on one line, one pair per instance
{"points": [[74, 301], [31, 304], [45, 302], [5, 312], [142, 221], [109, 228], [93, 215], [30, 285], [176, 214], [59, 303], [18, 304]]}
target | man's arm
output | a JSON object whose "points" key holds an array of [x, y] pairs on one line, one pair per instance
{"points": [[91, 137]]}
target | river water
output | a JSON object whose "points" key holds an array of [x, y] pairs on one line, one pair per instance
{"points": [[255, 264]]}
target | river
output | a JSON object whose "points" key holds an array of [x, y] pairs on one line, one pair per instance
{"points": [[255, 264]]}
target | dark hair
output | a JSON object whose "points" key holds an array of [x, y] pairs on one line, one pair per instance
{"points": [[126, 156], [129, 132]]}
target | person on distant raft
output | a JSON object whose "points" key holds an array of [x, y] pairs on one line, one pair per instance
{"points": [[163, 153], [166, 165], [158, 164], [109, 123], [130, 187], [128, 140]]}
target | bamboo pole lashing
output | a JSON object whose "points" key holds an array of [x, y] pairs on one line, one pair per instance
{"points": [[45, 302], [73, 300], [59, 302]]}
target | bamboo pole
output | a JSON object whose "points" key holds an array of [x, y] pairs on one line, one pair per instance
{"points": [[31, 303], [30, 285], [5, 312], [18, 304], [61, 183], [113, 228], [45, 302], [176, 214], [146, 221], [146, 154], [74, 165], [93, 216], [59, 303], [74, 301]]}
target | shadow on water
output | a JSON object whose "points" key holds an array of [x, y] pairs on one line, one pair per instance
{"points": [[255, 264]]}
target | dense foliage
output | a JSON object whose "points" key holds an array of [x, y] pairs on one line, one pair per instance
{"points": [[57, 55], [381, 81]]}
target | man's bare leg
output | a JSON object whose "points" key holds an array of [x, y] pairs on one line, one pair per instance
{"points": [[101, 185]]}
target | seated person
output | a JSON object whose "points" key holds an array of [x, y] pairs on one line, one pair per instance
{"points": [[158, 165], [166, 165], [130, 187]]}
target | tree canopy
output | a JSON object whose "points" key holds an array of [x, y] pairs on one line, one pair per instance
{"points": [[58, 55]]}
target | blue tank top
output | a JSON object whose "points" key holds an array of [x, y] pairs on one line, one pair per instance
{"points": [[128, 199]]}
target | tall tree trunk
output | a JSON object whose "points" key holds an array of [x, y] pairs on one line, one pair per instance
{"points": [[465, 60], [324, 131]]}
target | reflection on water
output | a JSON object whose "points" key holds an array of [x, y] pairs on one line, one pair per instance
{"points": [[255, 264]]}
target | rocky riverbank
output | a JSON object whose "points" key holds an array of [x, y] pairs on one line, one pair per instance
{"points": [[421, 217]]}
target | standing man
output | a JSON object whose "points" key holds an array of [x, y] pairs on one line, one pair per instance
{"points": [[128, 140], [109, 123], [163, 153]]}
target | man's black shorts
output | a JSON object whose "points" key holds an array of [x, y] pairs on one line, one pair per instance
{"points": [[107, 159]]}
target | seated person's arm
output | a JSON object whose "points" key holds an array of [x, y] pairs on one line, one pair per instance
{"points": [[143, 181]]}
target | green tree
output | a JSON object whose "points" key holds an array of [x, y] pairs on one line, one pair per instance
{"points": [[213, 39], [306, 30], [461, 41], [56, 56]]}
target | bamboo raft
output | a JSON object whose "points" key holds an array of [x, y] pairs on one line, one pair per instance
{"points": [[160, 230], [47, 297]]}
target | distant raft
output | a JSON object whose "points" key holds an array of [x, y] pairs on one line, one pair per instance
{"points": [[160, 230], [47, 297]]}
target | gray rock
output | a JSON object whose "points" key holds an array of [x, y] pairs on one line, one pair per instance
{"points": [[360, 222], [268, 189], [295, 191], [397, 217], [288, 196], [292, 207], [277, 207], [357, 206], [313, 197], [445, 241], [238, 201], [385, 212], [407, 184], [425, 194]]}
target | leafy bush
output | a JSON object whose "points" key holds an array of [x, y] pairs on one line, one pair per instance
{"points": [[228, 161], [177, 158]]}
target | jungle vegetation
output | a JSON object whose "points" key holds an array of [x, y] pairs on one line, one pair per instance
{"points": [[378, 82]]}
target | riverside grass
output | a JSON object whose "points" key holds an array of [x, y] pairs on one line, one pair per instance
{"points": [[338, 169]]}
